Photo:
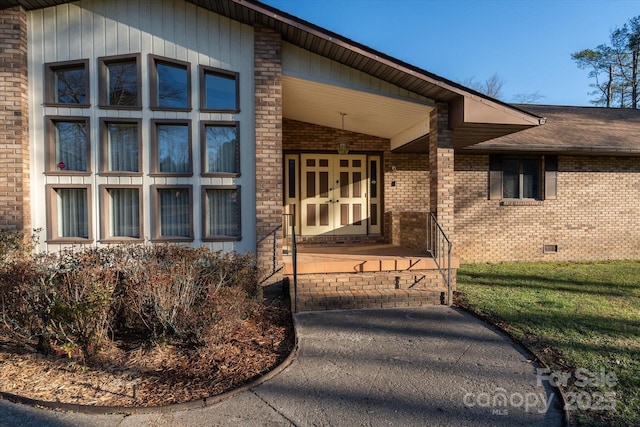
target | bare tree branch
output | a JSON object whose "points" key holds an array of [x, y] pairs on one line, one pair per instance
{"points": [[528, 98]]}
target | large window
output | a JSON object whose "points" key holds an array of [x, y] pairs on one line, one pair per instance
{"points": [[170, 84], [120, 82], [221, 218], [121, 216], [171, 148], [121, 147], [173, 218], [218, 90], [220, 149], [522, 177], [144, 160], [69, 210], [67, 83], [68, 147]]}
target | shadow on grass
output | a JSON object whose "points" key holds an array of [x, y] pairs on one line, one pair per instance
{"points": [[603, 330], [548, 282]]}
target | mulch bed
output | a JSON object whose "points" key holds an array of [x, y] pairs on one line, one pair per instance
{"points": [[130, 375]]}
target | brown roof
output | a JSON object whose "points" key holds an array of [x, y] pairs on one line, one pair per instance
{"points": [[580, 130]]}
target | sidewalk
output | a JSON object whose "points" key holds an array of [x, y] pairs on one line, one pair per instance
{"points": [[434, 366]]}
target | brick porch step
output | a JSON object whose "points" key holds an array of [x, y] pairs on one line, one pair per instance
{"points": [[377, 298], [365, 276], [424, 279]]}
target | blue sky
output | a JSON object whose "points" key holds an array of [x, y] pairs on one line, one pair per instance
{"points": [[527, 43]]}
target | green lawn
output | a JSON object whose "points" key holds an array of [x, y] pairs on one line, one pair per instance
{"points": [[579, 318]]}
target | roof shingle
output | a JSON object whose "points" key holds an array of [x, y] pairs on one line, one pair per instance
{"points": [[580, 130]]}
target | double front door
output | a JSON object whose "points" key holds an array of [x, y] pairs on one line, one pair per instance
{"points": [[334, 193]]}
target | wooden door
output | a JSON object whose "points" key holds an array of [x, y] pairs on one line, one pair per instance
{"points": [[333, 194]]}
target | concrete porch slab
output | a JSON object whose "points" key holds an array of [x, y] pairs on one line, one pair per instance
{"points": [[359, 258]]}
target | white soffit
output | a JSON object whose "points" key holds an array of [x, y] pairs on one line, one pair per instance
{"points": [[366, 112], [416, 131]]}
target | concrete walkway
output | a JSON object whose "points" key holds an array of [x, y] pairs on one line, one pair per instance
{"points": [[428, 366]]}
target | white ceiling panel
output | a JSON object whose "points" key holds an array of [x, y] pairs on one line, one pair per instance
{"points": [[368, 113]]}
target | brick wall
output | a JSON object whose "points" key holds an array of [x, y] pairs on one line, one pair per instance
{"points": [[406, 187], [441, 167], [308, 137], [407, 202], [268, 119], [15, 211], [596, 215]]}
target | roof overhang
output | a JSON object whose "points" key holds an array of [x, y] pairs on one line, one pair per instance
{"points": [[474, 117], [398, 119], [571, 130]]}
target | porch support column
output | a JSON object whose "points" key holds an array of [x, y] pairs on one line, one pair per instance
{"points": [[441, 170], [15, 213], [268, 123]]}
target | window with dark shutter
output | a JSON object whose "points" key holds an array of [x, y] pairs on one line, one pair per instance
{"points": [[522, 177]]}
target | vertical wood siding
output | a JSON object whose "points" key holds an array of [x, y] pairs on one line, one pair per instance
{"points": [[90, 29], [299, 62]]}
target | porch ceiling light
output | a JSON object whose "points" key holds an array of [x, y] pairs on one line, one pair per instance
{"points": [[343, 142]]}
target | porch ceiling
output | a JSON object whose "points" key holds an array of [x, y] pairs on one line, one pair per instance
{"points": [[398, 119]]}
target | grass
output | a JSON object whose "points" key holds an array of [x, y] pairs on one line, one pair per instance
{"points": [[574, 316]]}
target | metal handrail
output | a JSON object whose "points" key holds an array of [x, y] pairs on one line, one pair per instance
{"points": [[440, 248], [294, 256], [274, 259]]}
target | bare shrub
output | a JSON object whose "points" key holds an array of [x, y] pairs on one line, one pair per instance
{"points": [[15, 244], [26, 292], [84, 285], [73, 300], [168, 288]]}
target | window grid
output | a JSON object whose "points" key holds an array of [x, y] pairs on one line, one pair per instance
{"points": [[70, 216], [169, 84], [171, 153], [221, 219], [120, 82], [521, 178], [121, 146], [67, 83], [220, 148], [173, 213], [219, 90], [68, 146], [121, 213]]}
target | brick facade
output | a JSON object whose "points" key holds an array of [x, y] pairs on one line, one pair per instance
{"points": [[441, 168], [268, 132], [407, 202], [595, 215], [15, 211], [406, 176], [300, 136]]}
